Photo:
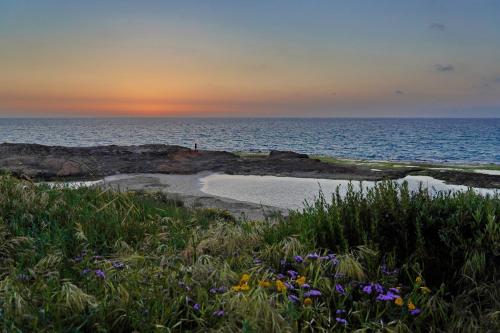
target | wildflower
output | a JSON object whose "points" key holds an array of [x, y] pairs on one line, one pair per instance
{"points": [[280, 286], [367, 289], [236, 288], [313, 256], [289, 286], [340, 311], [298, 259], [419, 280], [86, 271], [379, 288], [305, 286], [219, 313], [301, 280], [118, 265], [264, 284], [280, 276], [99, 273], [244, 287], [415, 312], [312, 293], [411, 306], [293, 274], [398, 301], [425, 290], [341, 321], [394, 290], [293, 299], [219, 290], [257, 261], [308, 301], [196, 307], [244, 278], [340, 289], [385, 271], [387, 297]]}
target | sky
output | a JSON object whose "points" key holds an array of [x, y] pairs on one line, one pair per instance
{"points": [[268, 58]]}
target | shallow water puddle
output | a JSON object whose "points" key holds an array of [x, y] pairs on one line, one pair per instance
{"points": [[291, 193]]}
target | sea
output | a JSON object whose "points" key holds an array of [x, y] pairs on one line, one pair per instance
{"points": [[397, 139]]}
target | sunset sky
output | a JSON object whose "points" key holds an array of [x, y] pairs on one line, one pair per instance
{"points": [[250, 58]]}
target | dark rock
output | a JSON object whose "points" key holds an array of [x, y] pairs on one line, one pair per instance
{"points": [[279, 154]]}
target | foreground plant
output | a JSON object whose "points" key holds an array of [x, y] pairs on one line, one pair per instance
{"points": [[96, 260]]}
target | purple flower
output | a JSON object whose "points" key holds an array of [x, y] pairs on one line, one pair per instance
{"points": [[415, 312], [340, 311], [341, 321], [379, 288], [333, 258], [367, 289], [293, 298], [280, 276], [394, 290], [86, 271], [196, 307], [293, 274], [298, 259], [387, 297], [305, 286], [219, 313], [313, 256], [340, 289], [283, 262], [385, 271], [100, 274], [118, 265], [288, 286], [257, 261], [78, 258], [312, 293], [219, 290]]}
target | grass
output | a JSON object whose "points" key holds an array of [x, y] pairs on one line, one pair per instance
{"points": [[93, 260], [390, 165]]}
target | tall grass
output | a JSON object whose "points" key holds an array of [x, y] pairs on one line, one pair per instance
{"points": [[94, 260]]}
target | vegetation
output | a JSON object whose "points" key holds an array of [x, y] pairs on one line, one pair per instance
{"points": [[93, 260]]}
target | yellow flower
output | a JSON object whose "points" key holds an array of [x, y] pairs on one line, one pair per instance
{"points": [[419, 280], [280, 286], [308, 301], [425, 290], [399, 301], [244, 278], [301, 280], [411, 306], [236, 288], [264, 284], [244, 287]]}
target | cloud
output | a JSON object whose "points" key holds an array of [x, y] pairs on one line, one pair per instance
{"points": [[444, 68], [437, 27], [398, 92]]}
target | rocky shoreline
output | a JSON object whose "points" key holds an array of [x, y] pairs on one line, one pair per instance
{"points": [[40, 162]]}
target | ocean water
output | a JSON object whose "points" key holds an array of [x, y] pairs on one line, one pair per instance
{"points": [[434, 140]]}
